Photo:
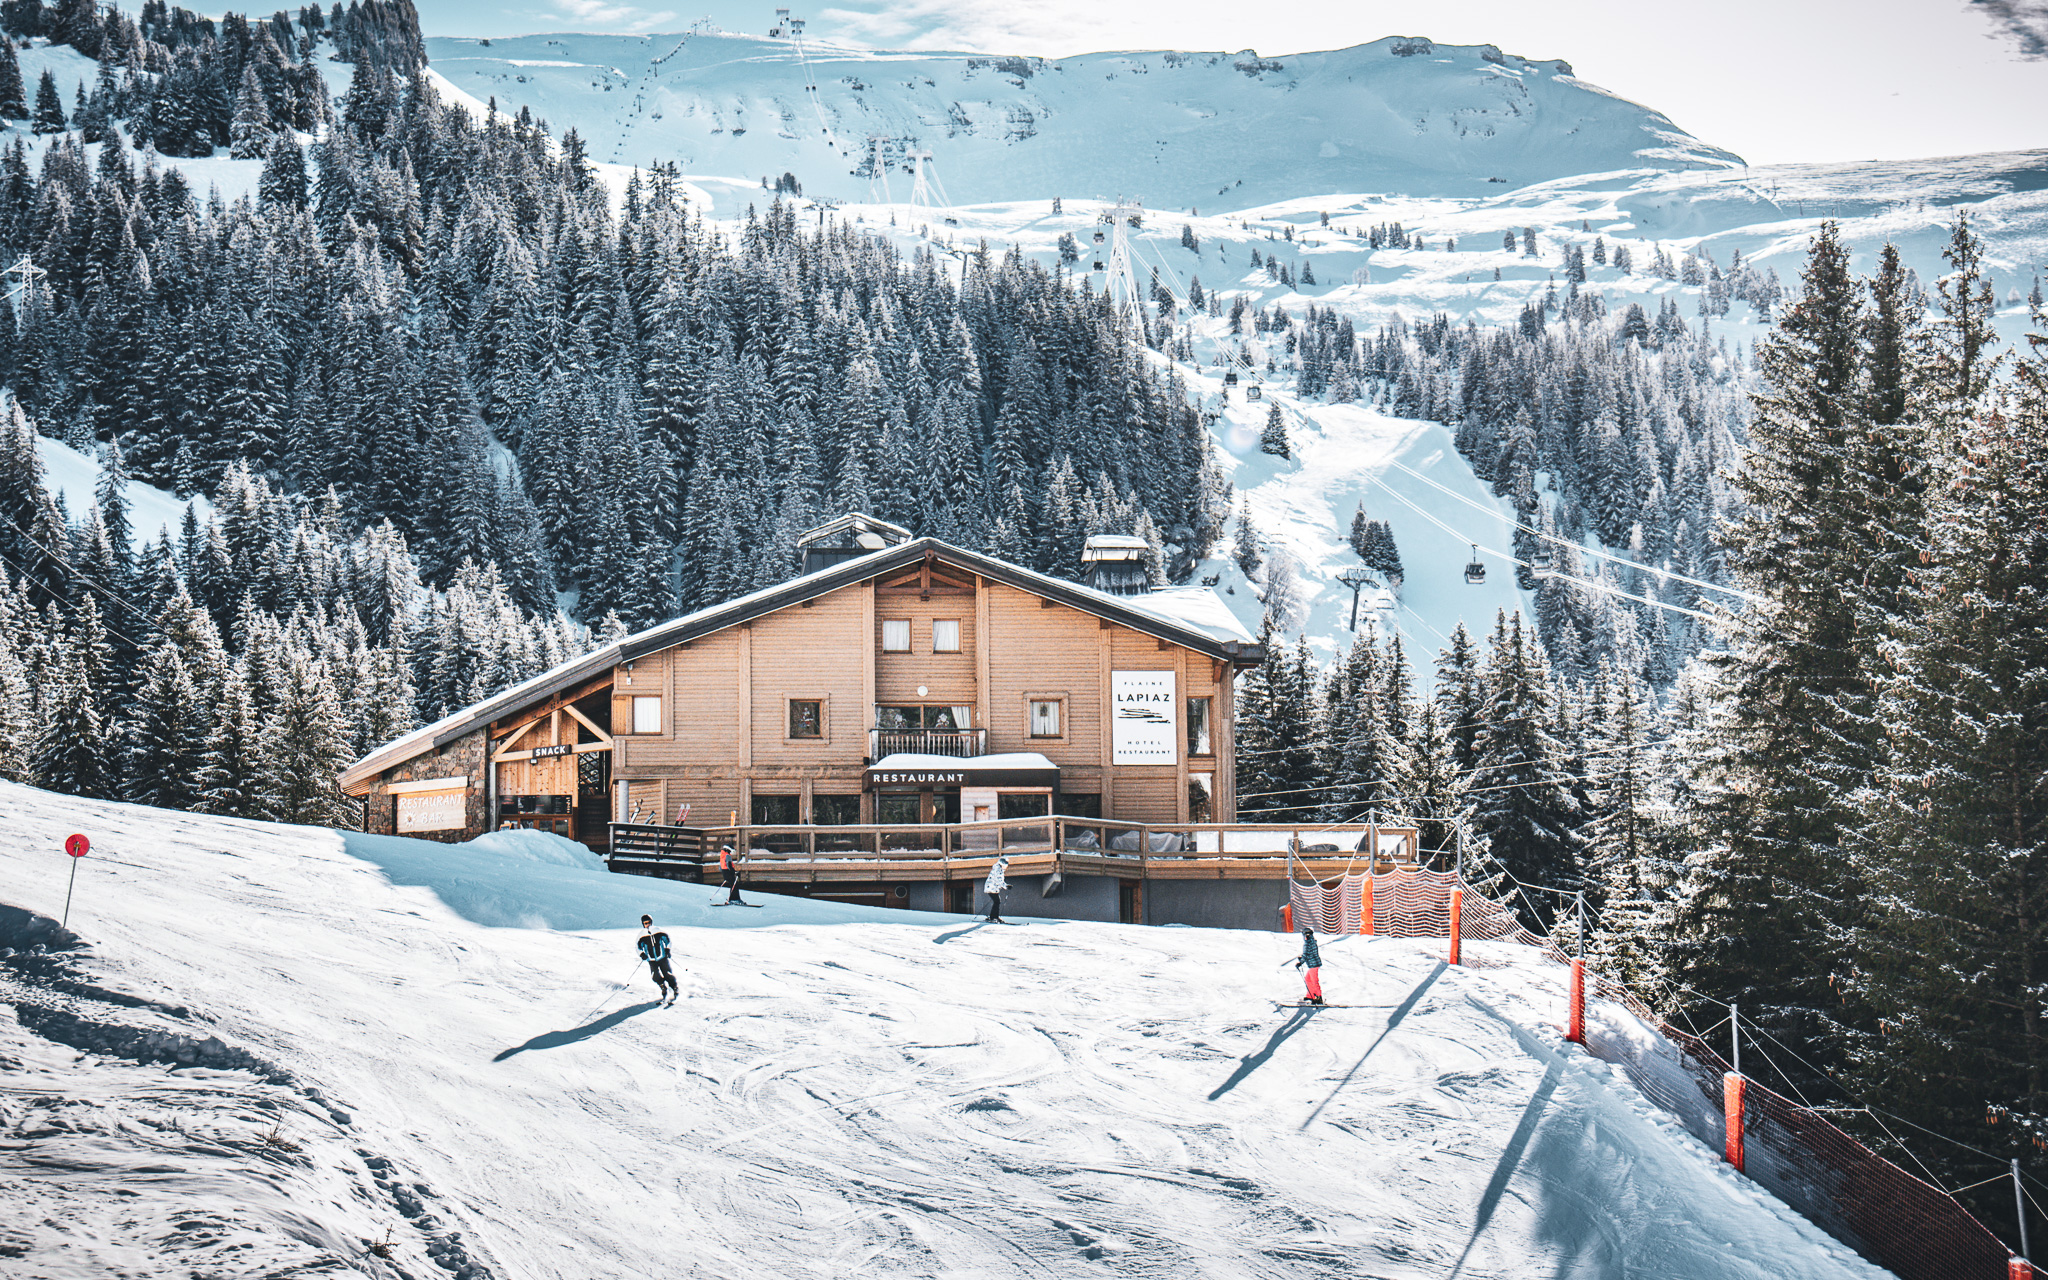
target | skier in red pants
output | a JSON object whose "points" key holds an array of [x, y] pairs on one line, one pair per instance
{"points": [[1311, 965]]}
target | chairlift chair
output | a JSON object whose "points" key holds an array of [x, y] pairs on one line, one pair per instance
{"points": [[1230, 378], [1476, 571], [1253, 392], [1542, 560], [1100, 267]]}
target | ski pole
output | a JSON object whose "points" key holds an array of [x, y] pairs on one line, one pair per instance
{"points": [[616, 988]]}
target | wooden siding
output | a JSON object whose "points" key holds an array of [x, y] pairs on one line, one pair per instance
{"points": [[1034, 649], [948, 677], [803, 653]]}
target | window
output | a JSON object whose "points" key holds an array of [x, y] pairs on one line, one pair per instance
{"points": [[1082, 804], [1045, 717], [647, 715], [835, 811], [1198, 728], [895, 635], [1201, 797], [945, 635], [1026, 805], [775, 811], [806, 718], [946, 719]]}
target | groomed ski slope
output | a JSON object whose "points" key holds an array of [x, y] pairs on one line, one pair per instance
{"points": [[841, 1092]]}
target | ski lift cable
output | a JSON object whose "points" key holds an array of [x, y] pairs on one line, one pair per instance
{"points": [[75, 572], [1511, 559], [1470, 791], [50, 586], [1180, 295], [1583, 550]]}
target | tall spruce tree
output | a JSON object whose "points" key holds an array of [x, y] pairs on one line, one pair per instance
{"points": [[1769, 916], [1954, 825]]}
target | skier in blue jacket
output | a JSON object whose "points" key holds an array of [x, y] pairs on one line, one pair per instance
{"points": [[654, 950]]}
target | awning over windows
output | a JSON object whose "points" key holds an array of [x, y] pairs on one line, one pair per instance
{"points": [[1013, 769]]}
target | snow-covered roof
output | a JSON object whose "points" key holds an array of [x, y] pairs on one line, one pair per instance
{"points": [[1197, 607], [1173, 615]]}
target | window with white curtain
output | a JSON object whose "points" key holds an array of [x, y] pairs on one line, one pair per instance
{"points": [[945, 635]]}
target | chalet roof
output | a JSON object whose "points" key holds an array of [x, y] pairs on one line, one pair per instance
{"points": [[1193, 617]]}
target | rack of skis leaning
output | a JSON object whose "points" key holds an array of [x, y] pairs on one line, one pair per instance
{"points": [[1894, 1219]]}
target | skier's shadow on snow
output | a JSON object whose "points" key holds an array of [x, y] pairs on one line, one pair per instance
{"points": [[556, 1039], [961, 933], [1392, 1022], [1254, 1061]]}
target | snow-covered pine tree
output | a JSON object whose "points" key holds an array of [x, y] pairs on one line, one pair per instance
{"points": [[1770, 931], [49, 111], [13, 94], [1953, 825], [1523, 800]]}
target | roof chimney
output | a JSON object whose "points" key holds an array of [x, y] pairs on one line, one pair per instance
{"points": [[1115, 563]]}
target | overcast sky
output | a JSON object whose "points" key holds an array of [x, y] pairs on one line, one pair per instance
{"points": [[1772, 80]]}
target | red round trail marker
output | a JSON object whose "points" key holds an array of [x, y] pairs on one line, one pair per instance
{"points": [[77, 846]]}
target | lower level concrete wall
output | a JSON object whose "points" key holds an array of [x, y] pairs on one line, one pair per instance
{"points": [[1216, 904], [1208, 904]]}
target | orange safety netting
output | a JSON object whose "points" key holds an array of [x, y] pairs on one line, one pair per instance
{"points": [[1894, 1219]]}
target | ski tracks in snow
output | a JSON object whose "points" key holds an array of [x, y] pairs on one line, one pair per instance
{"points": [[834, 1098]]}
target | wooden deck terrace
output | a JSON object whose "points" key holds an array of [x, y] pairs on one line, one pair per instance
{"points": [[1034, 846]]}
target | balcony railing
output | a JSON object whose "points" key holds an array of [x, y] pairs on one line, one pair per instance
{"points": [[1090, 846], [929, 742]]}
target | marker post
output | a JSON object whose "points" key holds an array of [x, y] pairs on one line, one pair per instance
{"points": [[77, 846]]}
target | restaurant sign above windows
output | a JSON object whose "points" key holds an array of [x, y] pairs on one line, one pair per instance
{"points": [[1142, 713]]}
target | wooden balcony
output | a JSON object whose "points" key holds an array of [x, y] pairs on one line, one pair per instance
{"points": [[929, 742], [1034, 846]]}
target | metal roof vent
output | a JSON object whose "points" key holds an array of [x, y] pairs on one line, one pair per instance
{"points": [[1115, 563], [849, 537]]}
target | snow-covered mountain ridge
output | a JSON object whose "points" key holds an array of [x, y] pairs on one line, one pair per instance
{"points": [[1172, 128], [284, 1050]]}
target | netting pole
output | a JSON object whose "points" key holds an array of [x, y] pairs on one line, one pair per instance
{"points": [[1287, 918], [1576, 1031], [1365, 925], [1731, 1104], [2019, 1269], [2023, 1266], [1735, 1036], [1457, 922], [1575, 1028]]}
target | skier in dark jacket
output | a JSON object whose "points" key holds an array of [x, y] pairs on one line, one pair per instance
{"points": [[654, 950], [1311, 965]]}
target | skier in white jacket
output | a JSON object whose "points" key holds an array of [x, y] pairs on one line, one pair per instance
{"points": [[994, 887]]}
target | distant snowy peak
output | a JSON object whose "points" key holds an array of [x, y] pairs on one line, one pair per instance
{"points": [[1173, 129]]}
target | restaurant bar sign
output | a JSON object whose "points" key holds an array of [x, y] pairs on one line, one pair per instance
{"points": [[1142, 718], [435, 811]]}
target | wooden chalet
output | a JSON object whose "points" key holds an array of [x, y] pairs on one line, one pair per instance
{"points": [[878, 729]]}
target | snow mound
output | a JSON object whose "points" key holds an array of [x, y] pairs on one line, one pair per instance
{"points": [[281, 1046], [542, 847]]}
